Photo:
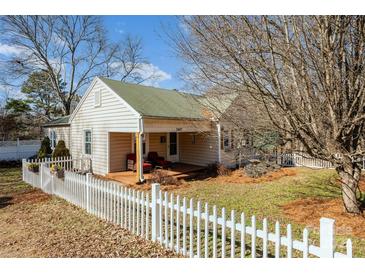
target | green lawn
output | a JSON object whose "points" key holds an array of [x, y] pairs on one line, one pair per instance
{"points": [[266, 199]]}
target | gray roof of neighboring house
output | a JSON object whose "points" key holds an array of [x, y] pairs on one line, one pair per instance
{"points": [[62, 121]]}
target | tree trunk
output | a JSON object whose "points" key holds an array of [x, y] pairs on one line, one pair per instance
{"points": [[350, 176]]}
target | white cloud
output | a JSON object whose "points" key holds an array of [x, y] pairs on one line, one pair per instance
{"points": [[11, 50], [120, 31], [152, 74]]}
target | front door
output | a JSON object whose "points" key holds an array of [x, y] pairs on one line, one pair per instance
{"points": [[172, 147]]}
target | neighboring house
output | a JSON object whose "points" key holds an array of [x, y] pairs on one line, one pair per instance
{"points": [[58, 129], [114, 119]]}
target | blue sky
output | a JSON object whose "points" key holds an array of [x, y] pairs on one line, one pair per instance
{"points": [[155, 47]]}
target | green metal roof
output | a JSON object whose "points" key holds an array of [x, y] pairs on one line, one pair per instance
{"points": [[62, 121], [157, 102]]}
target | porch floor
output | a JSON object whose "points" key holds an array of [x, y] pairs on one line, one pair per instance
{"points": [[179, 171]]}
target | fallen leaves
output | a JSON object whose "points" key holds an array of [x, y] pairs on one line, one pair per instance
{"points": [[34, 224]]}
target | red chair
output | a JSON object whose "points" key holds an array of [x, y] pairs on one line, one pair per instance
{"points": [[158, 161], [147, 167]]}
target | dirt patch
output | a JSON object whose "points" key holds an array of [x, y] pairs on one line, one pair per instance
{"points": [[239, 176], [39, 225], [33, 196], [30, 197], [308, 211], [35, 224]]}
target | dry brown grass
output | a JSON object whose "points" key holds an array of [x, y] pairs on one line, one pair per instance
{"points": [[34, 224]]}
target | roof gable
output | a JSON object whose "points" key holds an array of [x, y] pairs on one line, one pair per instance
{"points": [[89, 90], [156, 102]]}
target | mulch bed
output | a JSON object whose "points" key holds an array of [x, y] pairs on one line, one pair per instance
{"points": [[309, 211], [238, 176]]}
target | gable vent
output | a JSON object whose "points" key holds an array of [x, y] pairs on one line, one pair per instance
{"points": [[97, 98]]}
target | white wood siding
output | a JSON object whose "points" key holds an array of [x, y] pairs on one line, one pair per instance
{"points": [[228, 158], [62, 133], [166, 125], [203, 152], [120, 144], [156, 145], [113, 115]]}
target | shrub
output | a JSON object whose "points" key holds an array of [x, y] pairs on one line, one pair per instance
{"points": [[10, 163], [45, 150], [257, 168], [223, 171], [58, 170], [218, 169], [161, 177], [61, 150], [33, 167]]}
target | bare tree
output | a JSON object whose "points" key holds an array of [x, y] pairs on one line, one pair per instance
{"points": [[74, 49], [307, 72]]}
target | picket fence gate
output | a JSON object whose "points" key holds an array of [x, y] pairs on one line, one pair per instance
{"points": [[189, 228]]}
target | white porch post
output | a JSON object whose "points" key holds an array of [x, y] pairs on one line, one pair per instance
{"points": [[219, 142], [140, 150]]}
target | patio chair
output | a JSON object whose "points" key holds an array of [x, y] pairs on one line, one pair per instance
{"points": [[147, 167], [158, 161]]}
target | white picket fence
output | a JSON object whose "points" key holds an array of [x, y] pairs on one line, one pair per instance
{"points": [[17, 150], [42, 178], [187, 227], [298, 160]]}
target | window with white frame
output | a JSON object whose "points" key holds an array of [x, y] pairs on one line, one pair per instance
{"points": [[87, 141], [53, 139], [97, 98]]}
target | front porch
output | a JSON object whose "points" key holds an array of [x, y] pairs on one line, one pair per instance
{"points": [[178, 170], [188, 145]]}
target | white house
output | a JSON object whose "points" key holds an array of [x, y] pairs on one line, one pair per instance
{"points": [[114, 119]]}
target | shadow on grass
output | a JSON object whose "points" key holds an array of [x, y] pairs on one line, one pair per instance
{"points": [[5, 201]]}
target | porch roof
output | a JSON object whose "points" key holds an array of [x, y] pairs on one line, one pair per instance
{"points": [[62, 121]]}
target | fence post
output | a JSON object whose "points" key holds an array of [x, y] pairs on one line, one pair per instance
{"points": [[326, 237], [17, 148], [52, 183], [155, 211], [23, 169], [88, 182], [41, 174]]}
